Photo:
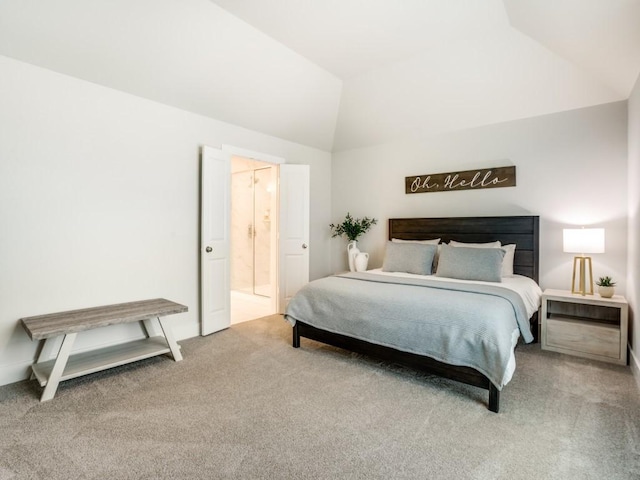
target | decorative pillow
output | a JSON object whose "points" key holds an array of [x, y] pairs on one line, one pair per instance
{"points": [[509, 256], [471, 263], [434, 241], [495, 244], [409, 257]]}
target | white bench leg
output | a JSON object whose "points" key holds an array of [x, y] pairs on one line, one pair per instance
{"points": [[171, 341], [49, 348], [58, 367], [147, 327]]}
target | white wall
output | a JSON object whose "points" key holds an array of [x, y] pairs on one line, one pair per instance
{"points": [[99, 200], [571, 170], [633, 277]]}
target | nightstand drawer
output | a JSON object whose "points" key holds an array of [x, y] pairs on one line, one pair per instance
{"points": [[590, 338]]}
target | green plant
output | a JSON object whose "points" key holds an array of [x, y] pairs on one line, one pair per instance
{"points": [[351, 227], [605, 282]]}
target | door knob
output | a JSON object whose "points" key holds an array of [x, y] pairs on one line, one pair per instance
{"points": [[209, 249], [304, 245]]}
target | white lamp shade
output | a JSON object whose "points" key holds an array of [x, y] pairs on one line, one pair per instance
{"points": [[583, 240]]}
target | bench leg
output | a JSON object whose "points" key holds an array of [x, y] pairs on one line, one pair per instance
{"points": [[171, 341], [58, 367], [48, 349], [150, 329]]}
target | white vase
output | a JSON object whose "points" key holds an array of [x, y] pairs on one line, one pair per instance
{"points": [[361, 261], [352, 251], [606, 292]]}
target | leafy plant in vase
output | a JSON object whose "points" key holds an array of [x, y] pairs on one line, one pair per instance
{"points": [[352, 228], [606, 287]]}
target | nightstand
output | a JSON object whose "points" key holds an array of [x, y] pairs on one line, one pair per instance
{"points": [[587, 326]]}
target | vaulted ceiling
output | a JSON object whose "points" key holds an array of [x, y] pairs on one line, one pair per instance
{"points": [[340, 74]]}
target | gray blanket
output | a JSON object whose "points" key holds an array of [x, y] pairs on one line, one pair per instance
{"points": [[469, 325]]}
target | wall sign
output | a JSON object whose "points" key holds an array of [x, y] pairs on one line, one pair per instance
{"points": [[468, 180]]}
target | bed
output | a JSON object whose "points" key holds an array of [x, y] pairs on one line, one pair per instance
{"points": [[465, 330]]}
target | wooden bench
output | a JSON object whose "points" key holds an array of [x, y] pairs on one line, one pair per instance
{"points": [[68, 324]]}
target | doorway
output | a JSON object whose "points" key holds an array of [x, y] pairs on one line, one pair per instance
{"points": [[289, 254], [253, 239]]}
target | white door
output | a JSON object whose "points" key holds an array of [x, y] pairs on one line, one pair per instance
{"points": [[293, 261], [214, 243]]}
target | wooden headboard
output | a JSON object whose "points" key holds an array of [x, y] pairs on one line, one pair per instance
{"points": [[521, 230]]}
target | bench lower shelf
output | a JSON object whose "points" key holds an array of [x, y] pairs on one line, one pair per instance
{"points": [[104, 358]]}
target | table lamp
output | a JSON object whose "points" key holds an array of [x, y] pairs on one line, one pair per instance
{"points": [[582, 241]]}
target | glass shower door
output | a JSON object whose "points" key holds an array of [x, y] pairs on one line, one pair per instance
{"points": [[251, 231], [262, 232]]}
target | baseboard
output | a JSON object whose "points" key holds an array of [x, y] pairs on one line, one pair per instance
{"points": [[634, 364], [184, 331], [15, 373]]}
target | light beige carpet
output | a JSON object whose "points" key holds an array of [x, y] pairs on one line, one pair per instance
{"points": [[244, 404]]}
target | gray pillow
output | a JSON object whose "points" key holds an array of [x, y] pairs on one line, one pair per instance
{"points": [[467, 263], [409, 257]]}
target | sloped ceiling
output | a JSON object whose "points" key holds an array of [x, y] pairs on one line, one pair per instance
{"points": [[190, 54], [340, 74]]}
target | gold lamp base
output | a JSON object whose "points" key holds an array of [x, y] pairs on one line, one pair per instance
{"points": [[581, 263]]}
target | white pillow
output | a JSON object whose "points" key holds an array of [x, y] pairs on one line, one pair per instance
{"points": [[495, 244], [507, 262], [434, 241]]}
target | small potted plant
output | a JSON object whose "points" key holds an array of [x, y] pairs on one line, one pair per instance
{"points": [[606, 287], [352, 228]]}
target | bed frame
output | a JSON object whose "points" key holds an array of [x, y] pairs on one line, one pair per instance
{"points": [[521, 230]]}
